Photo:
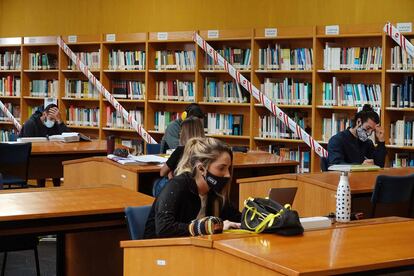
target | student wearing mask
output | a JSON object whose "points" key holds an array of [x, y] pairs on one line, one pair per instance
{"points": [[196, 200], [190, 128], [45, 123], [171, 138], [353, 146]]}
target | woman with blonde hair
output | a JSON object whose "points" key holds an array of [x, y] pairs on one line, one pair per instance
{"points": [[195, 201]]}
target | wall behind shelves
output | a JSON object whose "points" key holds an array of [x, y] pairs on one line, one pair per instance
{"points": [[51, 17]]}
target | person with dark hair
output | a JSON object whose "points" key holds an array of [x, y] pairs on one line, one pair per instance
{"points": [[353, 146], [44, 123], [171, 138]]}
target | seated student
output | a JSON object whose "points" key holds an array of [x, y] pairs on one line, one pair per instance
{"points": [[171, 137], [190, 128], [42, 124], [199, 189], [352, 146]]}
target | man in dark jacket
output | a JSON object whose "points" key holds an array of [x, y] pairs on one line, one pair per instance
{"points": [[43, 124]]}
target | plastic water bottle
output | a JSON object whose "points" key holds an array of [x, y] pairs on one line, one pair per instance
{"points": [[343, 199]]}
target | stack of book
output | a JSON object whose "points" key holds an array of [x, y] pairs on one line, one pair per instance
{"points": [[402, 132], [278, 58], [175, 60], [126, 60], [402, 95], [82, 116], [44, 88], [224, 92], [272, 127], [339, 94], [80, 89], [10, 86], [299, 154], [353, 58], [223, 124], [175, 90], [114, 118], [400, 60], [287, 91], [10, 60], [239, 58], [163, 118], [90, 59], [14, 110], [8, 135], [32, 109], [403, 159], [42, 61], [128, 89], [337, 123]]}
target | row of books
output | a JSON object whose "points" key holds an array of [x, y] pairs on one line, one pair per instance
{"points": [[402, 132], [402, 95], [175, 90], [8, 135], [223, 124], [400, 60], [82, 116], [126, 60], [32, 109], [239, 58], [287, 91], [337, 123], [10, 60], [403, 159], [298, 154], [350, 94], [163, 118], [224, 92], [353, 58], [128, 89], [278, 58], [272, 127], [175, 60], [42, 61], [14, 110], [44, 88], [80, 89], [114, 118], [10, 86], [90, 59]]}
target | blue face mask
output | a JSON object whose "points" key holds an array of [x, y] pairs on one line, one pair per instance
{"points": [[48, 123]]}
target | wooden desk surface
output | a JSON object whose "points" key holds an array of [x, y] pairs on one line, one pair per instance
{"points": [[240, 160], [63, 202], [360, 182], [47, 148], [331, 251]]}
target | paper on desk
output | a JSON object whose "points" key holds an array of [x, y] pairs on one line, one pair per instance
{"points": [[353, 168], [149, 158]]}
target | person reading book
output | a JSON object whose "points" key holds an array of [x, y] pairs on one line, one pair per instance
{"points": [[44, 123], [353, 146], [196, 200], [171, 138]]}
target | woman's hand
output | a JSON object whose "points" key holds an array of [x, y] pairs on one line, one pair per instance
{"points": [[230, 225]]}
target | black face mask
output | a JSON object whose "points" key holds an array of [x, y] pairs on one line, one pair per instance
{"points": [[216, 183]]}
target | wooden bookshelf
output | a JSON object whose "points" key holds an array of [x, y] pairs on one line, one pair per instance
{"points": [[310, 37]]}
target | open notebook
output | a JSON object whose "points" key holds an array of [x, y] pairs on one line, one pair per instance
{"points": [[354, 168]]}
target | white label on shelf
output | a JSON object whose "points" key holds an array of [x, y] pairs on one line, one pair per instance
{"points": [[332, 30], [213, 34], [161, 262], [110, 37], [48, 101], [405, 27], [32, 40], [270, 32], [72, 38], [162, 36]]}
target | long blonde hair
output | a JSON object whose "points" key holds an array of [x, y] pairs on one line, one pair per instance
{"points": [[190, 128]]}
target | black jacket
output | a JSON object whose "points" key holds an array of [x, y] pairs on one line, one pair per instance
{"points": [[35, 128], [345, 148], [177, 205]]}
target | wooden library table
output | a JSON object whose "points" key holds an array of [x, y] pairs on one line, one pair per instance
{"points": [[100, 170], [47, 157], [353, 248], [89, 223], [316, 191]]}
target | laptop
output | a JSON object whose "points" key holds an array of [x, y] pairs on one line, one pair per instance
{"points": [[283, 195]]}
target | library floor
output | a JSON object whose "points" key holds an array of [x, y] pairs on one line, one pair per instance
{"points": [[22, 263]]}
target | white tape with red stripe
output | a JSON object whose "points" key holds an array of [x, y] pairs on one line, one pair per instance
{"points": [[84, 69], [395, 34], [262, 98], [10, 116]]}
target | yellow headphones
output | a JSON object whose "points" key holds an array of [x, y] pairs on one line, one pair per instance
{"points": [[184, 115]]}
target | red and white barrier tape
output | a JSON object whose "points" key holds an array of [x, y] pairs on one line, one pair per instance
{"points": [[395, 34], [84, 69], [262, 98], [10, 116]]}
